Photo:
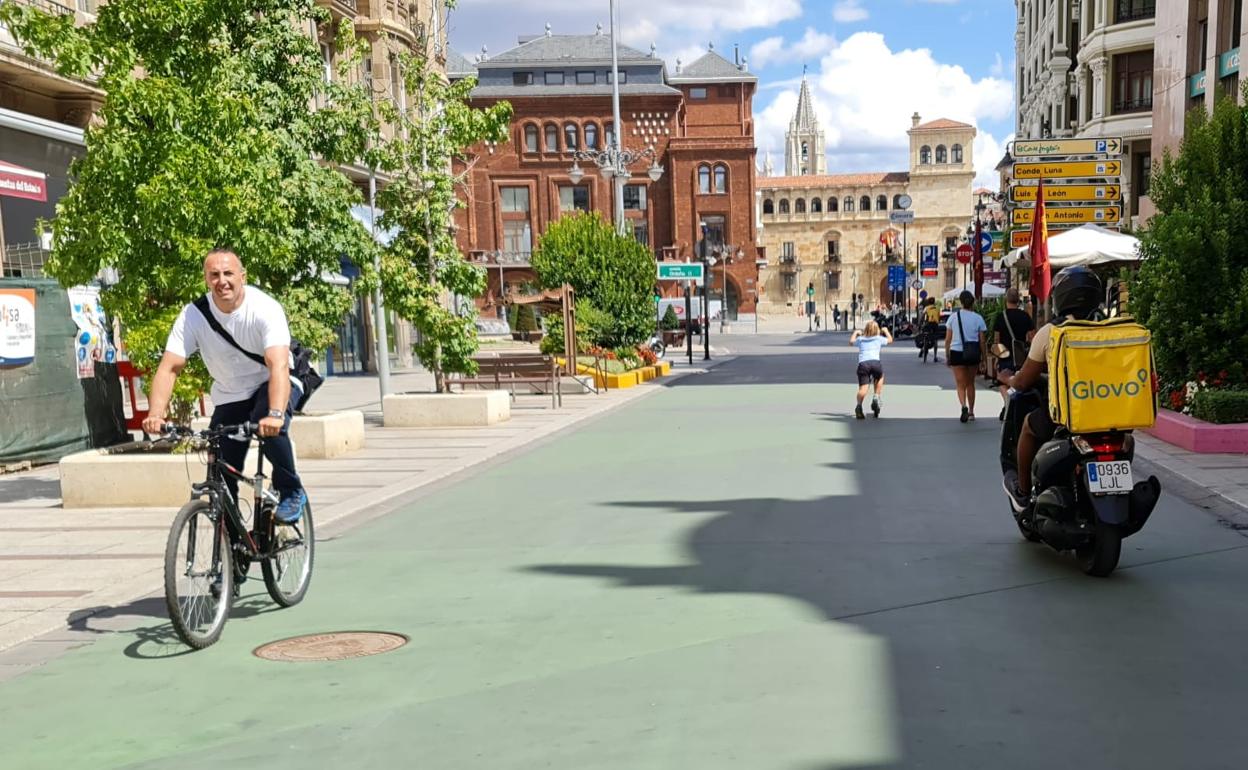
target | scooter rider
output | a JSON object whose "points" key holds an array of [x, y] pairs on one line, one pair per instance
{"points": [[1076, 294]]}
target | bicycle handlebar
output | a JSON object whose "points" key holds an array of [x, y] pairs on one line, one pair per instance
{"points": [[240, 431]]}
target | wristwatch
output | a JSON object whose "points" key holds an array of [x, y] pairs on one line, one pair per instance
{"points": [[276, 414]]}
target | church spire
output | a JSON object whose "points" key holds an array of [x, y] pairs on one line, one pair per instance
{"points": [[804, 154]]}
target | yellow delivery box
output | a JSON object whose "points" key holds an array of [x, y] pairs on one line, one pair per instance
{"points": [[1101, 376]]}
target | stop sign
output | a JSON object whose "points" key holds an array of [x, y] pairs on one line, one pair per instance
{"points": [[965, 253]]}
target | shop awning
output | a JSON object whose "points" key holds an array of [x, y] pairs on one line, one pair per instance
{"points": [[19, 182]]}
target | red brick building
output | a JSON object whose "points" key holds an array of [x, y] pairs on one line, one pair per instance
{"points": [[698, 121]]}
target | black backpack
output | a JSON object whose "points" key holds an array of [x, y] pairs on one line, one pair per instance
{"points": [[301, 369]]}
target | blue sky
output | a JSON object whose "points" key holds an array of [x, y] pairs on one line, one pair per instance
{"points": [[871, 63]]}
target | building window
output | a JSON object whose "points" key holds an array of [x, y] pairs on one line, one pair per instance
{"points": [[517, 236], [697, 93], [832, 205], [609, 134], [951, 278], [573, 198], [634, 197], [925, 155], [788, 251], [1133, 82], [799, 206], [530, 138], [834, 251], [554, 78], [721, 179], [816, 205], [623, 77], [586, 78], [714, 230], [327, 63], [897, 201], [552, 139], [805, 151], [864, 203], [769, 207], [571, 136], [522, 78], [591, 136], [956, 153], [832, 280], [641, 232], [784, 205], [849, 204], [704, 180], [881, 203], [1143, 172], [942, 155], [515, 200], [1131, 10], [951, 243], [790, 282]]}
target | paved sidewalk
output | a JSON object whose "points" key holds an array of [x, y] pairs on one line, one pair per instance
{"points": [[58, 565], [1221, 478]]}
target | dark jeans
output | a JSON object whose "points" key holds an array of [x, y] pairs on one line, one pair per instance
{"points": [[278, 449]]}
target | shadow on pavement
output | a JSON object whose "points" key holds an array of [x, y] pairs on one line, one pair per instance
{"points": [[18, 489]]}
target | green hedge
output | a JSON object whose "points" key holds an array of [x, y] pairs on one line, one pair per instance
{"points": [[1221, 406]]}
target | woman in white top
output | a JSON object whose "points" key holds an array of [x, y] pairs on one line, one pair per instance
{"points": [[965, 336]]}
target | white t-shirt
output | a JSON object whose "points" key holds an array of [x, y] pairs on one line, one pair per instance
{"points": [[257, 325], [972, 324]]}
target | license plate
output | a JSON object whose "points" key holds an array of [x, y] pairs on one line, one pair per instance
{"points": [[1112, 478]]}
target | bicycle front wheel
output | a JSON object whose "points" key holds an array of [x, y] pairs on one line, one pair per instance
{"points": [[199, 578], [289, 571]]}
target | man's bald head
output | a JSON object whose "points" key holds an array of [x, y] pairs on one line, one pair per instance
{"points": [[224, 274]]}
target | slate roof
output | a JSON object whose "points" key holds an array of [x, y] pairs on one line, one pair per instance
{"points": [[553, 49], [457, 65], [626, 89], [712, 68], [834, 180]]}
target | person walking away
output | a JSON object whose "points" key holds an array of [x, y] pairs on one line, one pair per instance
{"points": [[836, 317], [870, 369], [1011, 334], [964, 341], [931, 327], [243, 390]]}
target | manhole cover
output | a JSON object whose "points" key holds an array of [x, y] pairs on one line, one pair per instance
{"points": [[338, 645]]}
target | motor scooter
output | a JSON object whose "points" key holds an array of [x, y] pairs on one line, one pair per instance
{"points": [[1083, 498]]}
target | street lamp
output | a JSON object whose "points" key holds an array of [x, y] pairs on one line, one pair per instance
{"points": [[975, 232], [614, 160]]}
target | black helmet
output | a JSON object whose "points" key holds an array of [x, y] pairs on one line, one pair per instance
{"points": [[1076, 292]]}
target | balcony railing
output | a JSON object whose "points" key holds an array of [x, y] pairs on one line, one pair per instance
{"points": [[832, 259], [1134, 10], [1143, 104]]}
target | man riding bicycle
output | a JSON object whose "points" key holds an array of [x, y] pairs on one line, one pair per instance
{"points": [[230, 319]]}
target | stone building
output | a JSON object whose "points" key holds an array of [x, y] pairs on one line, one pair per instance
{"points": [[1085, 70], [697, 122], [833, 232], [804, 143]]}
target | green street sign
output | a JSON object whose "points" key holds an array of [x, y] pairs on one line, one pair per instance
{"points": [[680, 271]]}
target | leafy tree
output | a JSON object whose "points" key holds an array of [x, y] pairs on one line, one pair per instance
{"points": [[613, 272], [206, 138], [423, 261], [1192, 288]]}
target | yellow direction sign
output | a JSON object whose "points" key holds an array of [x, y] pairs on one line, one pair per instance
{"points": [[1039, 148], [1020, 238], [1068, 170], [1070, 214], [1062, 193]]}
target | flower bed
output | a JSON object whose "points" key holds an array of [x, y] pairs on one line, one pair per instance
{"points": [[1199, 436]]}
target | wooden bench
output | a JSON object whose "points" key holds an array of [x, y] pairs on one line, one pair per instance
{"points": [[507, 370]]}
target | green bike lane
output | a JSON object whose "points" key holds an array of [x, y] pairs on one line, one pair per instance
{"points": [[729, 573]]}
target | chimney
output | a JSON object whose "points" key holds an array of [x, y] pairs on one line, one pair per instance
{"points": [[914, 120], [736, 55]]}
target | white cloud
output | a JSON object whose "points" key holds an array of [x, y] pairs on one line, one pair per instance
{"points": [[988, 152], [765, 51], [848, 11], [865, 94], [997, 69]]}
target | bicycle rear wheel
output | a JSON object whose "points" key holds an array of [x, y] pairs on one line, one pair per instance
{"points": [[199, 578], [289, 571]]}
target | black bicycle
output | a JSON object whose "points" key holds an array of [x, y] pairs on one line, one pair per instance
{"points": [[214, 540]]}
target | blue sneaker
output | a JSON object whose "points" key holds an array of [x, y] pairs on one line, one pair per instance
{"points": [[291, 507]]}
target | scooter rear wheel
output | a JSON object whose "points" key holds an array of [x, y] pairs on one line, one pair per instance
{"points": [[1100, 557], [1026, 531]]}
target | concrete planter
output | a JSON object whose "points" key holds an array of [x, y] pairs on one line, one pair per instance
{"points": [[436, 410], [1199, 436], [328, 434], [93, 479]]}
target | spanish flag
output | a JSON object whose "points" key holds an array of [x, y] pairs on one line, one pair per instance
{"points": [[1041, 280], [888, 239]]}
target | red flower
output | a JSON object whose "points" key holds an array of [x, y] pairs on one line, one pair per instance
{"points": [[1176, 400]]}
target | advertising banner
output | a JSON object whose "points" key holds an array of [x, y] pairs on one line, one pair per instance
{"points": [[17, 327]]}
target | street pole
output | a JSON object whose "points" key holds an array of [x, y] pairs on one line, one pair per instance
{"points": [[620, 170], [379, 309], [723, 310], [689, 321], [977, 265]]}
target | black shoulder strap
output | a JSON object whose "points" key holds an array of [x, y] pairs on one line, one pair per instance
{"points": [[201, 304]]}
